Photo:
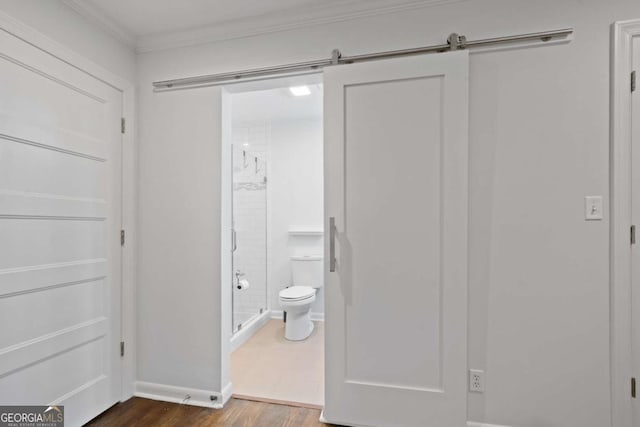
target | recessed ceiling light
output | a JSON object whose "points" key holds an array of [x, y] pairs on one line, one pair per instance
{"points": [[300, 90]]}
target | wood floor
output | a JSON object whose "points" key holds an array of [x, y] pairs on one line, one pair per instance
{"points": [[236, 413]]}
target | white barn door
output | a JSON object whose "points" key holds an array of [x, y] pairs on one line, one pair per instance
{"points": [[396, 136], [60, 216]]}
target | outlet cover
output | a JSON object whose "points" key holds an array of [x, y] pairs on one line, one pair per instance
{"points": [[476, 380]]}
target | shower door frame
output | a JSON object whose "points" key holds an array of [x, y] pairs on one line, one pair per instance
{"points": [[234, 247]]}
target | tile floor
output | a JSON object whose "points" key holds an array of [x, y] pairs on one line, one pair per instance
{"points": [[269, 368]]}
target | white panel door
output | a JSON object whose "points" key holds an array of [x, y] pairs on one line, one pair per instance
{"points": [[60, 208], [396, 183]]}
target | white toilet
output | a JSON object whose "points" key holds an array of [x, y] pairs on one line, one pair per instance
{"points": [[296, 300]]}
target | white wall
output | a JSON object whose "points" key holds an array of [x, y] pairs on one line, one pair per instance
{"points": [[67, 27], [295, 200], [538, 274], [293, 153], [178, 300]]}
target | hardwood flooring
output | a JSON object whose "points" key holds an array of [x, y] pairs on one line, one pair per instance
{"points": [[236, 413]]}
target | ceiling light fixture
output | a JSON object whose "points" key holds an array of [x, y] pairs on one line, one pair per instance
{"points": [[300, 90]]}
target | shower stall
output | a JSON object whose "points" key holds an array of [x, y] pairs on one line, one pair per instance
{"points": [[249, 259]]}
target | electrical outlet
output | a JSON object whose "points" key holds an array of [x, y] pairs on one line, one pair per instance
{"points": [[476, 380]]}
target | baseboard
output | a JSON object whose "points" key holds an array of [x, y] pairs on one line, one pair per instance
{"points": [[183, 395], [279, 314], [227, 391], [469, 423], [477, 424], [248, 330]]}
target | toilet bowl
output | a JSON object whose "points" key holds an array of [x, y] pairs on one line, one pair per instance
{"points": [[296, 300]]}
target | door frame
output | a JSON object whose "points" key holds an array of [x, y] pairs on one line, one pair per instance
{"points": [[622, 37], [226, 207], [129, 172]]}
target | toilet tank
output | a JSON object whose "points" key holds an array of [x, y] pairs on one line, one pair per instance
{"points": [[307, 270]]}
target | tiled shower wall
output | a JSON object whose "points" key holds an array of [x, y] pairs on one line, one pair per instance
{"points": [[250, 218]]}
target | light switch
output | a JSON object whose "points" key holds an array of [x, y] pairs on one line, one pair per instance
{"points": [[593, 208]]}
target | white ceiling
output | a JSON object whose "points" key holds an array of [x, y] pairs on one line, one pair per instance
{"points": [[276, 104], [144, 17], [160, 24]]}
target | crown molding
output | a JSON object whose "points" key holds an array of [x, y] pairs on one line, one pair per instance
{"points": [[276, 22], [102, 20], [284, 20]]}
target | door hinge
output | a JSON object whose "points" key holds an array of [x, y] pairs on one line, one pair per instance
{"points": [[121, 348], [122, 125], [633, 388], [633, 81], [633, 234], [121, 237]]}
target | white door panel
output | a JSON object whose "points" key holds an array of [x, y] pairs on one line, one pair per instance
{"points": [[60, 216], [396, 150]]}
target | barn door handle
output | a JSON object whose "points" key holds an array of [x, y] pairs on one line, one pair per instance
{"points": [[332, 244]]}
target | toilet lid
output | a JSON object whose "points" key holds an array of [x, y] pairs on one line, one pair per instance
{"points": [[297, 292]]}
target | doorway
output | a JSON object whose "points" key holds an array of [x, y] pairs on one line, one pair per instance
{"points": [[625, 219], [277, 297], [393, 244]]}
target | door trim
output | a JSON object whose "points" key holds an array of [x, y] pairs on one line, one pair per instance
{"points": [[622, 35], [129, 171], [227, 344]]}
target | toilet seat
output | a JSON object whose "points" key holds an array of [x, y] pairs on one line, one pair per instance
{"points": [[297, 293]]}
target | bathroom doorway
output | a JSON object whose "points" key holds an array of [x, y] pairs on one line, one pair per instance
{"points": [[277, 210]]}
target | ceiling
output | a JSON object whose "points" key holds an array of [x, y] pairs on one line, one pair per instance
{"points": [[160, 24], [276, 104], [144, 17]]}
